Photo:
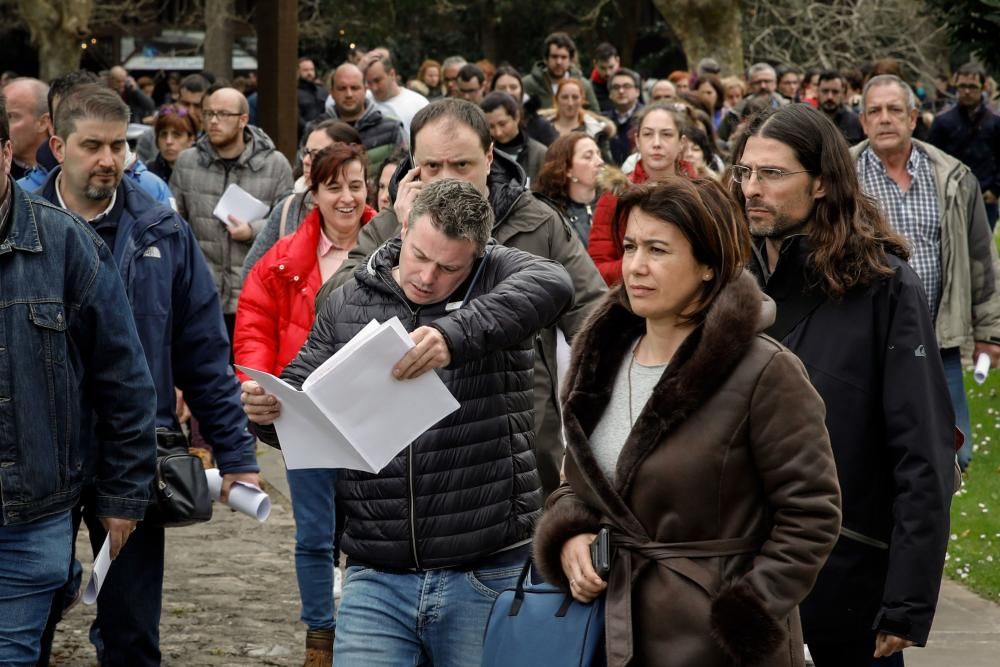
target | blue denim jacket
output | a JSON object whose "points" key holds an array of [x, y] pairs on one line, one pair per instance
{"points": [[179, 320], [66, 331]]}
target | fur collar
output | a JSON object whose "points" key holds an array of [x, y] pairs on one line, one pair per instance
{"points": [[698, 368]]}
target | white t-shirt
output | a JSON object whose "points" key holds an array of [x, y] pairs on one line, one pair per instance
{"points": [[404, 107]]}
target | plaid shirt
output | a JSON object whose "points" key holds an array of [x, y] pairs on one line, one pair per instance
{"points": [[915, 214]]}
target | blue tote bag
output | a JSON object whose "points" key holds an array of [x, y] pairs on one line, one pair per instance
{"points": [[539, 624]]}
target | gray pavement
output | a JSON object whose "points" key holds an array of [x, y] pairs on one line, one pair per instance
{"points": [[230, 598]]}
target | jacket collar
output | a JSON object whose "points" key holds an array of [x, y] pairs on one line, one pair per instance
{"points": [[258, 144], [23, 234], [699, 367], [299, 254]]}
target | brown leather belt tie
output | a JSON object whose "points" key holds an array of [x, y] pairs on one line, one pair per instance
{"points": [[630, 559]]}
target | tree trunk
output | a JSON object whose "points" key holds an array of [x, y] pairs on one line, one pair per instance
{"points": [[57, 28], [488, 30], [219, 37], [707, 28]]}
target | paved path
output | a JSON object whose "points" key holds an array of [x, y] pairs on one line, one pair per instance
{"points": [[230, 598], [229, 595]]}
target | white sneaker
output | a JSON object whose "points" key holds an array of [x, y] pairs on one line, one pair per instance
{"points": [[338, 583]]}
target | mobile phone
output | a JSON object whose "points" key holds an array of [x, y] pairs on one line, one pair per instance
{"points": [[600, 553]]}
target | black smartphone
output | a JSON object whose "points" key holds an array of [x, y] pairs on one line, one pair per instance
{"points": [[600, 553]]}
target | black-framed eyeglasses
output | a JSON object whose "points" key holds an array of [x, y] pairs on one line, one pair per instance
{"points": [[221, 115], [741, 173], [622, 86], [969, 86]]}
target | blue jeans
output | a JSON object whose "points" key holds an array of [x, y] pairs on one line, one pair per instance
{"points": [[428, 617], [313, 507], [951, 357], [126, 631], [34, 558]]}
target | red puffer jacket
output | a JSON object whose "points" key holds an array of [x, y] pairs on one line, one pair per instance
{"points": [[603, 248], [277, 304]]}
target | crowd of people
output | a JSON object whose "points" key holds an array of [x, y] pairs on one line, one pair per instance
{"points": [[768, 278]]}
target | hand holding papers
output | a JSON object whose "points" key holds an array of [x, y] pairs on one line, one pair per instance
{"points": [[243, 497], [338, 420], [240, 204]]}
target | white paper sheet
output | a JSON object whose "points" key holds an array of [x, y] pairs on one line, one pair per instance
{"points": [[100, 573], [372, 409], [352, 412], [239, 203], [243, 497], [308, 439]]}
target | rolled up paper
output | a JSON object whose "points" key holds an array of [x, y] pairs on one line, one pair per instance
{"points": [[250, 500], [243, 497], [982, 368], [214, 478]]}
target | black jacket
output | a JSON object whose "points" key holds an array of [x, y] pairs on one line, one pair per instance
{"points": [[972, 138], [468, 486], [873, 358], [849, 125], [527, 224], [312, 103]]}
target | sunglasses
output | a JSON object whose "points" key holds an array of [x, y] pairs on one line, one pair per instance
{"points": [[170, 110]]}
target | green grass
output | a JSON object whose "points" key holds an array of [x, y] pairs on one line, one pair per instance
{"points": [[974, 548]]}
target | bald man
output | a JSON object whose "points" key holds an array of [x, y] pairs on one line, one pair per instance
{"points": [[230, 152], [30, 123], [140, 105], [380, 132]]}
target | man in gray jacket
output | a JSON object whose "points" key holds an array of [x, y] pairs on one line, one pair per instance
{"points": [[229, 152], [934, 201], [451, 138]]}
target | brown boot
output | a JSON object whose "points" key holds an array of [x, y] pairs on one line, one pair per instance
{"points": [[319, 648]]}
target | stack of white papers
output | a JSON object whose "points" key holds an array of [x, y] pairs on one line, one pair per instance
{"points": [[352, 413], [240, 204]]}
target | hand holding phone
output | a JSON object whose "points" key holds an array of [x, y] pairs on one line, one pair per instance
{"points": [[409, 187], [600, 553]]}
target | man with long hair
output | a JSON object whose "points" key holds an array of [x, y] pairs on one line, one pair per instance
{"points": [[853, 310]]}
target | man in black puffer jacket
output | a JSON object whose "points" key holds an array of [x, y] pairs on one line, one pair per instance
{"points": [[434, 536]]}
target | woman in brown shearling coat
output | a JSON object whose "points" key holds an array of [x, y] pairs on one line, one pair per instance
{"points": [[701, 444]]}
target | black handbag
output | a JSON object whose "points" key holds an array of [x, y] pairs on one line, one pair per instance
{"points": [[180, 495]]}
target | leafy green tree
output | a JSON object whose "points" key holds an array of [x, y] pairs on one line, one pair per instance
{"points": [[974, 24]]}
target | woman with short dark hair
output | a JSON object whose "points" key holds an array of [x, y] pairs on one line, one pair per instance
{"points": [[698, 443]]}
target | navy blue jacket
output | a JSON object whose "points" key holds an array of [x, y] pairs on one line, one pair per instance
{"points": [[179, 319], [972, 138], [65, 334]]}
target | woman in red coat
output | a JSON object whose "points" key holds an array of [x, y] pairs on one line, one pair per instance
{"points": [[273, 320], [277, 306], [658, 138]]}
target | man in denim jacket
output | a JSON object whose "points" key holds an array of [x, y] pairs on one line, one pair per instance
{"points": [[177, 313], [65, 333]]}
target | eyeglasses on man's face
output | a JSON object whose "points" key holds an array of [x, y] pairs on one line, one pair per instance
{"points": [[741, 173], [617, 87], [220, 115]]}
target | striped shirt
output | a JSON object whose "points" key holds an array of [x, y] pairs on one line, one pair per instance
{"points": [[915, 214]]}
